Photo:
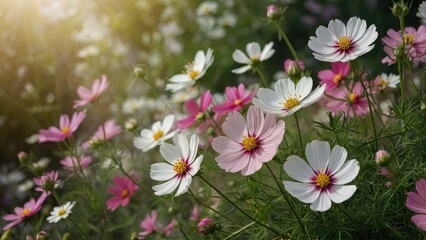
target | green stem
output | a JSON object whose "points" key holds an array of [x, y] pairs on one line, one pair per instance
{"points": [[242, 211], [239, 231], [298, 130], [371, 115], [282, 35], [262, 77], [289, 202], [79, 229]]}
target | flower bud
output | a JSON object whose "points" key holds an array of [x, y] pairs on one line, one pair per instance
{"points": [[293, 68], [206, 226], [400, 9], [385, 172], [23, 157], [274, 13], [382, 157], [131, 124], [140, 71]]}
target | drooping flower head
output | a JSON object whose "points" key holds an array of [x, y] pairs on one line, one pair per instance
{"points": [[88, 96], [123, 190], [384, 81], [47, 182], [287, 98], [416, 202], [72, 164], [61, 212], [254, 56], [158, 133], [30, 208], [334, 77], [182, 164], [322, 180], [248, 144], [193, 71], [65, 130], [197, 112], [105, 132], [350, 101], [340, 43], [150, 226], [236, 98]]}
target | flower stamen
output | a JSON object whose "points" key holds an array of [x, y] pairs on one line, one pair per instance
{"points": [[408, 38], [61, 212], [344, 43], [25, 212], [291, 103], [157, 135], [237, 102], [65, 130], [180, 167], [352, 97], [337, 78], [124, 193], [249, 143], [322, 180]]}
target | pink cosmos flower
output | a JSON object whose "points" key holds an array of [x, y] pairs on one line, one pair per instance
{"points": [[351, 102], [149, 226], [416, 202], [66, 128], [334, 77], [30, 208], [236, 99], [88, 96], [124, 188], [47, 182], [247, 145], [105, 132], [196, 112], [72, 164], [415, 44]]}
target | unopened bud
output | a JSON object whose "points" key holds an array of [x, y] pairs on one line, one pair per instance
{"points": [[400, 9], [140, 71], [207, 226], [23, 157], [273, 12], [131, 124], [294, 68], [382, 157]]}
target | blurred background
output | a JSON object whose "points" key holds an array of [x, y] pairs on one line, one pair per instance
{"points": [[50, 47]]}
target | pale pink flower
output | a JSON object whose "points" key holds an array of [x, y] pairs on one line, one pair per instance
{"points": [[195, 213], [236, 99], [416, 202], [66, 128], [105, 132], [72, 164], [334, 77], [415, 44], [247, 145], [149, 226], [88, 96], [30, 208], [47, 182], [349, 101], [124, 188], [385, 172], [196, 111]]}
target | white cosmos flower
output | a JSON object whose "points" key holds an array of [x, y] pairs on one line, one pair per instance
{"points": [[61, 212], [254, 56], [422, 10], [287, 98], [193, 71], [388, 81], [181, 165], [322, 180], [153, 137], [342, 43]]}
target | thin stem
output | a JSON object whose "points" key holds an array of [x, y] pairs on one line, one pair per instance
{"points": [[79, 229], [239, 231], [371, 115], [281, 34], [298, 130], [242, 211], [262, 77], [158, 95], [216, 124], [288, 202]]}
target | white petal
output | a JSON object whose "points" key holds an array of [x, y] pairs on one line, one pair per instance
{"points": [[305, 192], [182, 144], [267, 108], [314, 97], [241, 69], [193, 147], [304, 87], [337, 28], [184, 185], [240, 57], [315, 45], [156, 126], [347, 173], [169, 152], [195, 166], [339, 194], [162, 171], [199, 61], [168, 123], [253, 50], [269, 97], [267, 51], [298, 169], [143, 143], [356, 28], [166, 187], [284, 88], [180, 78], [318, 155], [325, 36], [322, 204], [337, 158]]}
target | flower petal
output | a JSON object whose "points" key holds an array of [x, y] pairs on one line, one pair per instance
{"points": [[298, 169], [347, 173], [318, 155], [322, 204], [339, 194]]}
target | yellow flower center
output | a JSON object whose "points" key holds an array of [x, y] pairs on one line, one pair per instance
{"points": [[344, 43], [291, 103], [337, 78], [180, 167], [65, 130], [25, 212], [408, 38], [322, 180], [249, 143], [237, 102], [382, 82], [157, 135], [352, 97], [61, 212], [193, 74], [124, 193], [199, 116]]}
